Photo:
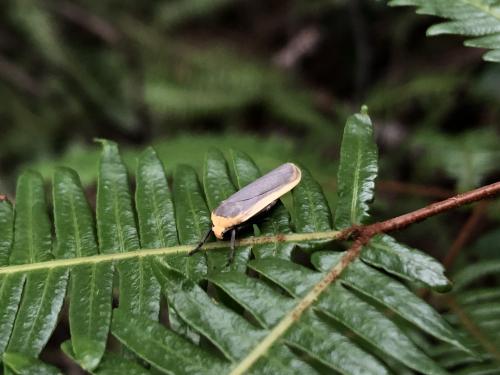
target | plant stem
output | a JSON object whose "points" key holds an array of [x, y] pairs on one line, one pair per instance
{"points": [[403, 221], [465, 233], [298, 310], [363, 234]]}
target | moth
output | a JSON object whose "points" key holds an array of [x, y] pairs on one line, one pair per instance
{"points": [[251, 201]]}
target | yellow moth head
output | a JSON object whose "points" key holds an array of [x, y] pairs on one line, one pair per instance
{"points": [[218, 231]]}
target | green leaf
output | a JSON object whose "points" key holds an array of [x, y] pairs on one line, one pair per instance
{"points": [[11, 286], [37, 315], [476, 296], [91, 284], [216, 181], [45, 289], [357, 171], [243, 167], [6, 231], [90, 312], [155, 209], [139, 291], [312, 213], [350, 311], [392, 295], [25, 365], [482, 313], [218, 322], [33, 240], [111, 363], [193, 221], [228, 331], [469, 18], [115, 217], [486, 369], [475, 271], [277, 221], [321, 342], [165, 350], [156, 222], [281, 360], [374, 328], [266, 305], [410, 264], [469, 157], [73, 219], [292, 277], [10, 295]]}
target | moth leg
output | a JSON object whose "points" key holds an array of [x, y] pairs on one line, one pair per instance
{"points": [[232, 247], [202, 242]]}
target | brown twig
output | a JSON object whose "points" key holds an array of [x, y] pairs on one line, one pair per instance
{"points": [[366, 232], [473, 329], [403, 221], [465, 233], [361, 234], [295, 314]]}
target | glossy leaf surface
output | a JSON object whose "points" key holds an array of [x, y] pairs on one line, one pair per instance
{"points": [[357, 172], [165, 350], [384, 252], [90, 291]]}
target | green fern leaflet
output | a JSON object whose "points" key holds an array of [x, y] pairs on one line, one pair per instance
{"points": [[220, 318], [476, 18]]}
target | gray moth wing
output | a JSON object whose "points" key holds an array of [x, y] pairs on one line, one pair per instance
{"points": [[266, 188]]}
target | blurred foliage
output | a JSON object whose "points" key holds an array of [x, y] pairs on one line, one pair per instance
{"points": [[289, 69], [275, 79], [477, 18], [467, 158]]}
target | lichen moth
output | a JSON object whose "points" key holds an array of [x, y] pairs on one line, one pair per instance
{"points": [[254, 199]]}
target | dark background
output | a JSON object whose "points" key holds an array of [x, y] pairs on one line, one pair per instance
{"points": [[276, 79]]}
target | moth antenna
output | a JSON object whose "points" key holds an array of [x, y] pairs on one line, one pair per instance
{"points": [[202, 242]]}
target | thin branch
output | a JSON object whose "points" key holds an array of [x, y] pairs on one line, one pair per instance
{"points": [[298, 310], [405, 220], [362, 234], [473, 329], [465, 233]]}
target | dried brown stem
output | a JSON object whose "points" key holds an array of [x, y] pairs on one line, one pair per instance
{"points": [[361, 234], [465, 233], [365, 233], [473, 329], [403, 221]]}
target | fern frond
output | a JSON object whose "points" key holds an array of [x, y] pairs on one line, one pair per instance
{"points": [[475, 315], [280, 317], [476, 18]]}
